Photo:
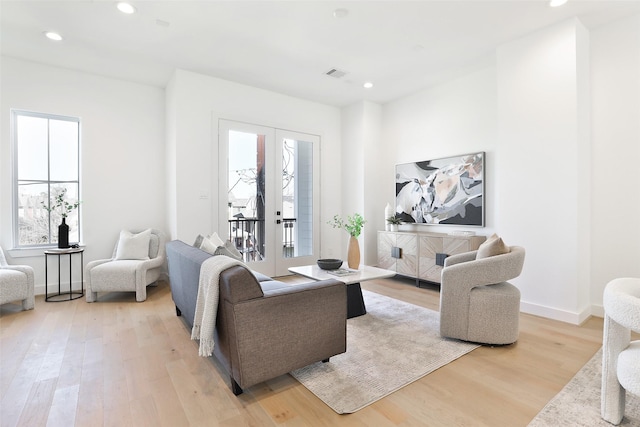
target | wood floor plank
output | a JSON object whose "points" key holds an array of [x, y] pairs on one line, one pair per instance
{"points": [[144, 412], [38, 404], [120, 362], [168, 406], [117, 406], [198, 408], [64, 407], [91, 398]]}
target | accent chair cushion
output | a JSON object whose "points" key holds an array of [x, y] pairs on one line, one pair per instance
{"points": [[133, 246], [491, 247]]}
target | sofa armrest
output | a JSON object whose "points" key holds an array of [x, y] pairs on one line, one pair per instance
{"points": [[287, 329]]}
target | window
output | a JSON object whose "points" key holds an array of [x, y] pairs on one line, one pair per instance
{"points": [[46, 166]]}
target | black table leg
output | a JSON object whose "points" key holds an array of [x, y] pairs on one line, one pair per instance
{"points": [[355, 302]]}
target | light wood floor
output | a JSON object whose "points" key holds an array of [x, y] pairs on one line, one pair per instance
{"points": [[121, 363]]}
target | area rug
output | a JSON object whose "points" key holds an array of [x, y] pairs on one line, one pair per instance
{"points": [[391, 346], [578, 404]]}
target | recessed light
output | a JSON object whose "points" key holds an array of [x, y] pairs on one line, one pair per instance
{"points": [[340, 13], [126, 8], [556, 3], [368, 85], [52, 36]]}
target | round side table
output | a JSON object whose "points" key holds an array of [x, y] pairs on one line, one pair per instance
{"points": [[63, 295]]}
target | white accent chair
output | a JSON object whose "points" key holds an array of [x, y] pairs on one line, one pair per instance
{"points": [[477, 304], [16, 283], [127, 275], [620, 355]]}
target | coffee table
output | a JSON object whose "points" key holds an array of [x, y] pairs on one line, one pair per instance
{"points": [[355, 302]]}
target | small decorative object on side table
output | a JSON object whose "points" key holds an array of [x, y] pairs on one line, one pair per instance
{"points": [[66, 295], [61, 207]]}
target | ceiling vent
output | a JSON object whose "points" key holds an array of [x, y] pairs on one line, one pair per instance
{"points": [[336, 73]]}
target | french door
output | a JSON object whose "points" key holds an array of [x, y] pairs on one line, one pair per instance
{"points": [[269, 195]]}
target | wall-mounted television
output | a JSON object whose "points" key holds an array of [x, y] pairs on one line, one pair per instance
{"points": [[447, 191]]}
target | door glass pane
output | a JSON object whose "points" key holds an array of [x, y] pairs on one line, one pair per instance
{"points": [[297, 198], [246, 194]]}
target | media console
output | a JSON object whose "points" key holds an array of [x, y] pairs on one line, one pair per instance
{"points": [[421, 255]]}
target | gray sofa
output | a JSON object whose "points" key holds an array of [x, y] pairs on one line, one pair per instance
{"points": [[264, 328]]}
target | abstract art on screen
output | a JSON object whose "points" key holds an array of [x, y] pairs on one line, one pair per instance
{"points": [[442, 191]]}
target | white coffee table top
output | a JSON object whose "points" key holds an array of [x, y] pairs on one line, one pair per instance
{"points": [[365, 272]]}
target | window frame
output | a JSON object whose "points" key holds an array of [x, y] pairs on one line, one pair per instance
{"points": [[15, 184]]}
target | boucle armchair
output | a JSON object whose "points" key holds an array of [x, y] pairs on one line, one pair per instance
{"points": [[16, 283], [137, 261], [477, 303], [620, 355]]}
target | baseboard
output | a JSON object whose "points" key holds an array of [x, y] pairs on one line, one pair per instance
{"points": [[597, 310], [64, 287], [575, 318], [39, 289]]}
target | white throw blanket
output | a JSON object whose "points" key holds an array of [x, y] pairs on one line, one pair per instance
{"points": [[204, 320]]}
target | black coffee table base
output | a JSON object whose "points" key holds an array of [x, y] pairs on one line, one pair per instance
{"points": [[355, 302]]}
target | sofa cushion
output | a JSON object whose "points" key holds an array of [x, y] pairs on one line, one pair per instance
{"points": [[261, 277], [270, 285], [228, 249], [215, 246]]}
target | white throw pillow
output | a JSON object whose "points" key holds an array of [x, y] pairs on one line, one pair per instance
{"points": [[133, 246], [229, 250], [208, 246], [215, 239]]}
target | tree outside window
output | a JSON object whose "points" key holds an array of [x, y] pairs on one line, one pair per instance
{"points": [[46, 169]]}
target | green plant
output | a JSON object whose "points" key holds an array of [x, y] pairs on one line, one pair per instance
{"points": [[394, 220], [353, 225], [60, 205]]}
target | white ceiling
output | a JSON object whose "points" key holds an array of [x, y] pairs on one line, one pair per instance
{"points": [[286, 46]]}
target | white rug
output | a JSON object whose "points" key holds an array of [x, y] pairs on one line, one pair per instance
{"points": [[394, 344], [578, 403]]}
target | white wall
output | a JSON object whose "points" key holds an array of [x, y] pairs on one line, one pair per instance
{"points": [[615, 76], [545, 173], [375, 179], [363, 161], [454, 118], [196, 102], [530, 114], [122, 151]]}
